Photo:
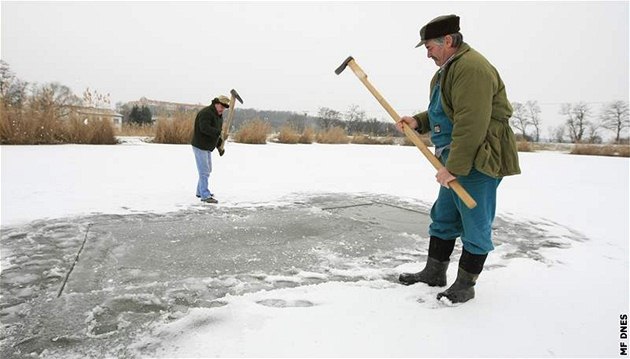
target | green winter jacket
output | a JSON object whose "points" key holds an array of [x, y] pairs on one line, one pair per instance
{"points": [[474, 99], [207, 130]]}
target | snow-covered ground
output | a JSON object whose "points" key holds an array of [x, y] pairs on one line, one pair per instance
{"points": [[567, 305]]}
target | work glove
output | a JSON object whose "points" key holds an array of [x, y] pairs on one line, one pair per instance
{"points": [[220, 146]]}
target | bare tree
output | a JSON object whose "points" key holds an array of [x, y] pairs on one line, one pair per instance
{"points": [[6, 78], [53, 100], [577, 119], [13, 103], [558, 133], [297, 122], [92, 98], [592, 132], [49, 106], [354, 117], [12, 90], [520, 119], [533, 112], [615, 118], [374, 127], [328, 118]]}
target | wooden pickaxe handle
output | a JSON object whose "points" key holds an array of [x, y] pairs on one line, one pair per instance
{"points": [[226, 132], [410, 133]]}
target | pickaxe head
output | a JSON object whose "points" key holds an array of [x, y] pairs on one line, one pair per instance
{"points": [[236, 96], [343, 65]]}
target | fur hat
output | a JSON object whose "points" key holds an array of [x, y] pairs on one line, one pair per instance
{"points": [[440, 26]]}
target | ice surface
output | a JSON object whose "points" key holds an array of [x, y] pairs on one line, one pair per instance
{"points": [[305, 238], [138, 270]]}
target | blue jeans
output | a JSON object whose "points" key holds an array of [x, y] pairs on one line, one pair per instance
{"points": [[204, 167], [451, 218]]}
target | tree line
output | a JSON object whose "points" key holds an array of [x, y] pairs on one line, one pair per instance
{"points": [[38, 111], [47, 113], [353, 121], [581, 123]]}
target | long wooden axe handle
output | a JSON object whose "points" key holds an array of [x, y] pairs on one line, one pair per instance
{"points": [[411, 134], [226, 132]]}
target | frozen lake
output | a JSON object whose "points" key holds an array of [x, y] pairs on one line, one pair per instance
{"points": [[301, 256], [135, 270]]}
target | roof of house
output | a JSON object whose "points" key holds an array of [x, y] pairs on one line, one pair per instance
{"points": [[96, 111]]}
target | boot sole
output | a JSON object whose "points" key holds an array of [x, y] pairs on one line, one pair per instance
{"points": [[429, 284], [456, 297]]}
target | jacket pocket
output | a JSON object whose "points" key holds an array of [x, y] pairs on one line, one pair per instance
{"points": [[488, 158]]}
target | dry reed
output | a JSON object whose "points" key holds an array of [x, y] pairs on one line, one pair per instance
{"points": [[253, 132], [334, 135], [601, 150], [288, 135], [307, 136], [31, 127], [524, 146], [176, 130], [368, 140], [134, 129], [425, 139]]}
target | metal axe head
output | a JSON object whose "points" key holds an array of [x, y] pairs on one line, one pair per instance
{"points": [[236, 96], [343, 65]]}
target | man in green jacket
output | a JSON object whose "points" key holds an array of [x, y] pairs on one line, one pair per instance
{"points": [[468, 118], [207, 137]]}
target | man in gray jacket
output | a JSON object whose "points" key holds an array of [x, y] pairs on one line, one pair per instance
{"points": [[207, 137]]}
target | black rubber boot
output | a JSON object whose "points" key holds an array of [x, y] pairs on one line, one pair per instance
{"points": [[434, 272], [463, 289]]}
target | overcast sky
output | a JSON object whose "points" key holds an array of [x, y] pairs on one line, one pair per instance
{"points": [[282, 55]]}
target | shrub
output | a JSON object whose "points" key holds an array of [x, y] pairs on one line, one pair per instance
{"points": [[601, 150], [14, 130], [176, 130], [134, 129], [35, 127], [334, 135], [100, 133], [42, 127], [253, 132], [288, 135], [524, 146], [545, 146], [5, 123], [367, 140], [425, 139], [307, 136], [93, 132]]}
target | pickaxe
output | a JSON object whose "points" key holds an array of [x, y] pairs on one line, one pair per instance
{"points": [[411, 134], [226, 129]]}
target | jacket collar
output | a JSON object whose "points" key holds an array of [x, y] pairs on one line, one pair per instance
{"points": [[463, 48]]}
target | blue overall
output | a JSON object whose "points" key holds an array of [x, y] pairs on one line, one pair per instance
{"points": [[450, 218]]}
